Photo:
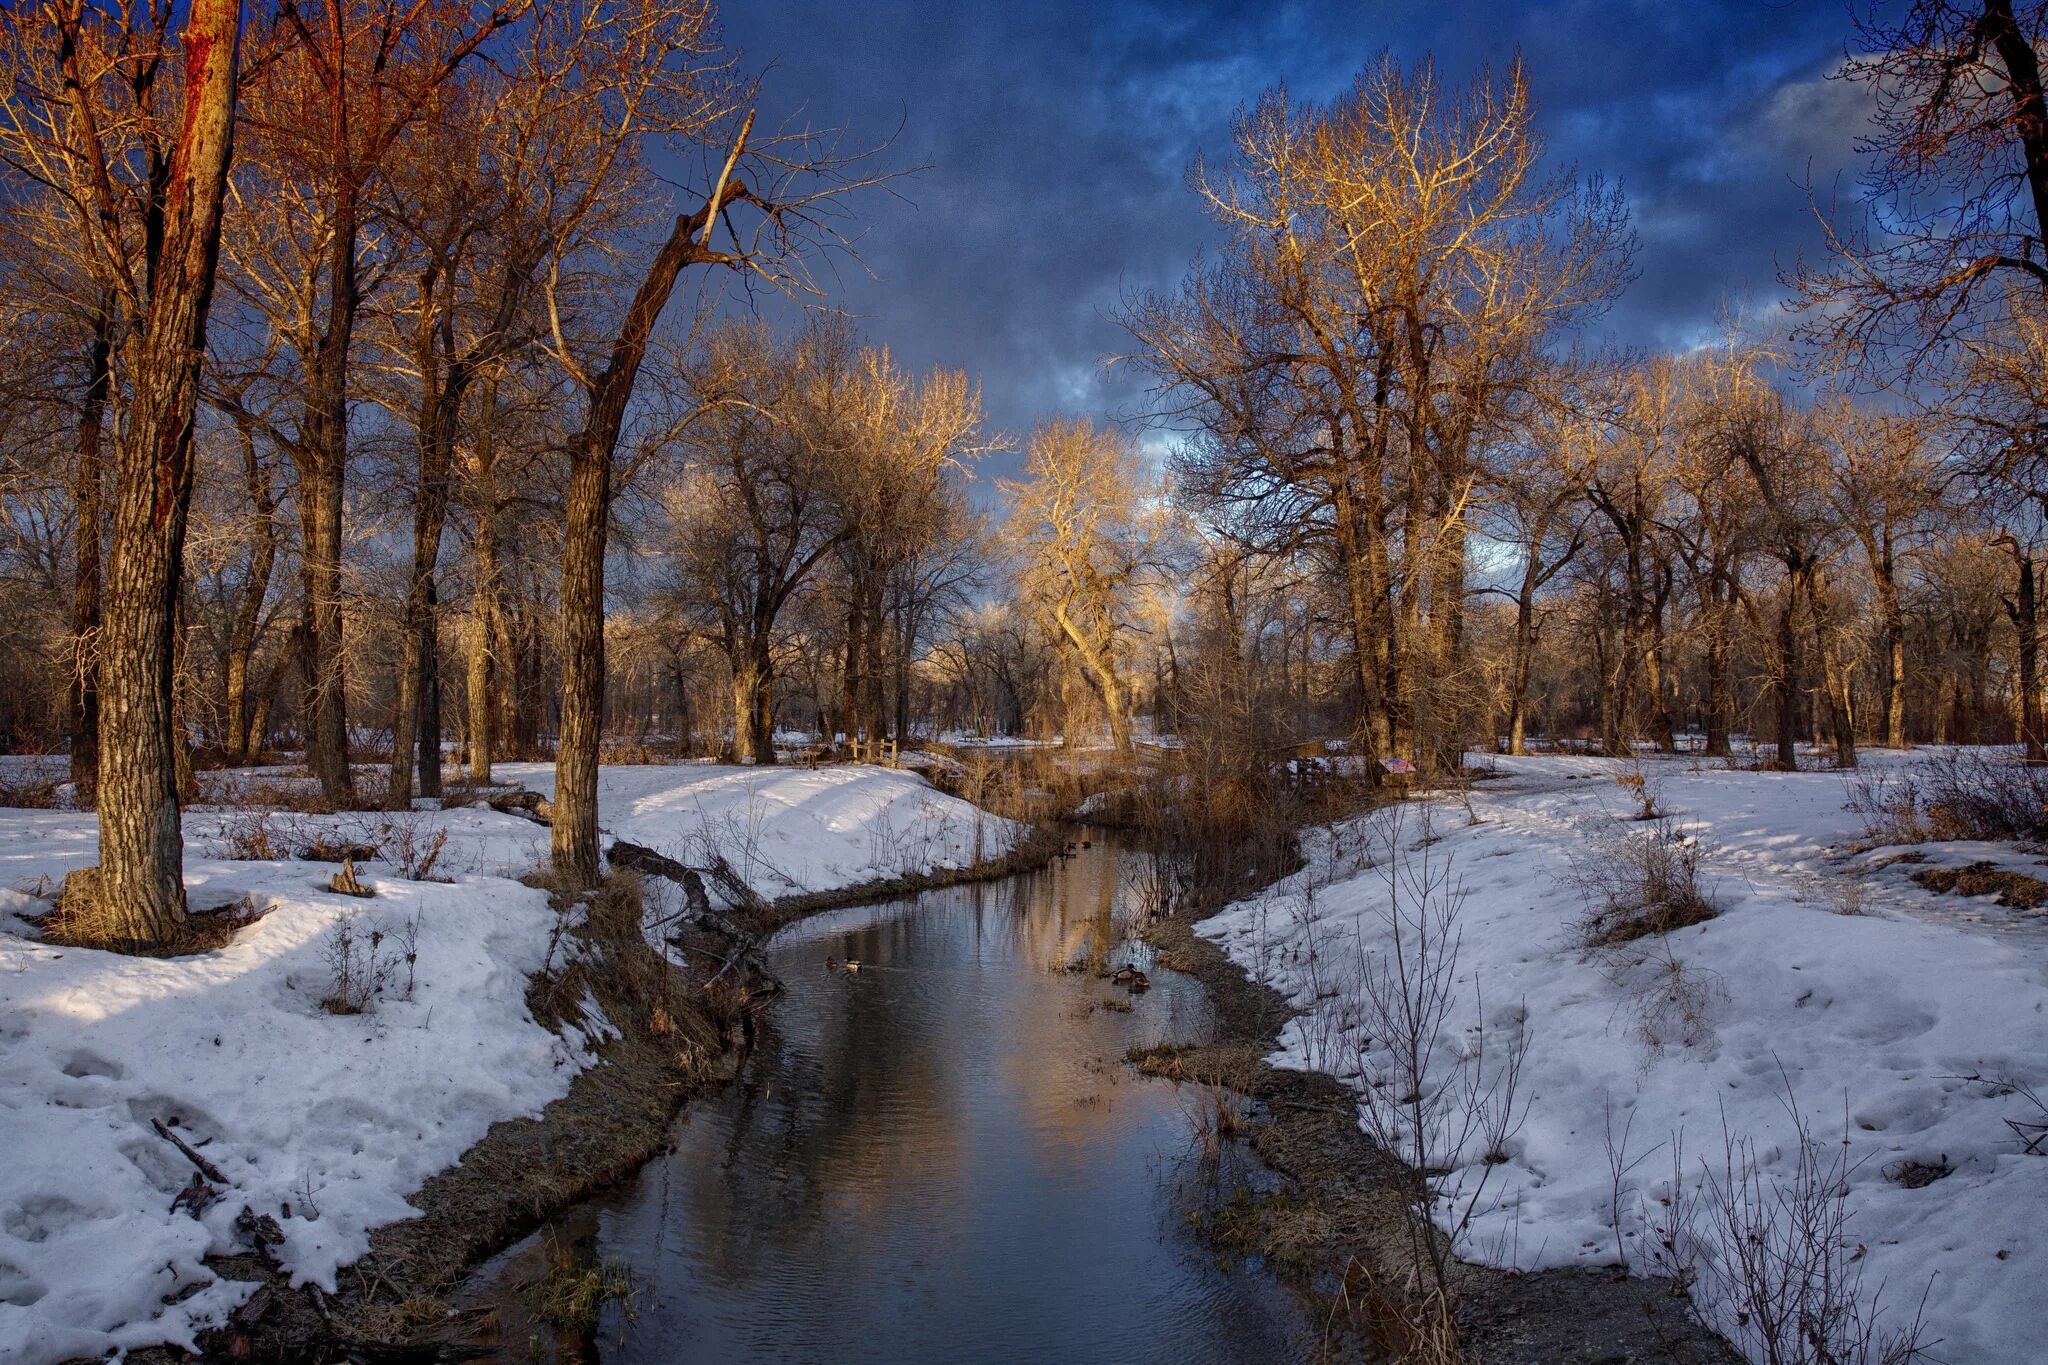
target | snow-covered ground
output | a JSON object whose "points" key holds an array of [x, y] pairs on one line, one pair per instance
{"points": [[327, 1122], [788, 831], [1828, 980]]}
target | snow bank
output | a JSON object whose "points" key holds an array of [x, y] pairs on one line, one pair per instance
{"points": [[788, 831], [335, 1118], [1874, 997], [326, 1123]]}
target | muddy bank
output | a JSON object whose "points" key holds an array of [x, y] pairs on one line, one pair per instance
{"points": [[1038, 847], [1348, 1211], [678, 1032]]}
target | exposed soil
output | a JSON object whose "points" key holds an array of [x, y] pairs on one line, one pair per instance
{"points": [[1345, 1219]]}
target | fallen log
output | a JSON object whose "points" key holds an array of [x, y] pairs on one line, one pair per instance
{"points": [[697, 909]]}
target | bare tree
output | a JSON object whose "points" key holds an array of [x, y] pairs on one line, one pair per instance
{"points": [[1085, 535], [148, 195], [339, 87]]}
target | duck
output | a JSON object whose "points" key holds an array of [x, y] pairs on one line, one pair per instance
{"points": [[852, 964]]}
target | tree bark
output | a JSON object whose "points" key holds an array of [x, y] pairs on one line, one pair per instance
{"points": [[2025, 613], [418, 722], [574, 843], [1788, 680], [90, 508], [141, 881], [248, 618]]}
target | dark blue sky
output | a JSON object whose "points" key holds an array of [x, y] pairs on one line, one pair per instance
{"points": [[1057, 132]]}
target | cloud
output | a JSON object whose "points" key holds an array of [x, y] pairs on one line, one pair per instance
{"points": [[1057, 133]]}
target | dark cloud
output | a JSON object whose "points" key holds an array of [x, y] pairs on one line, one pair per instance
{"points": [[1057, 134]]}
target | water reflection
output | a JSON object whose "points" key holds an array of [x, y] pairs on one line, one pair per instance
{"points": [[943, 1157]]}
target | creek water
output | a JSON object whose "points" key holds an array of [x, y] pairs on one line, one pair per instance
{"points": [[945, 1156]]}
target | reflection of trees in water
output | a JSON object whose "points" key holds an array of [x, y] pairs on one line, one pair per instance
{"points": [[952, 1114]]}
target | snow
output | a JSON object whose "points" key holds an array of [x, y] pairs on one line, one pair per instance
{"points": [[789, 831], [1829, 983], [337, 1118]]}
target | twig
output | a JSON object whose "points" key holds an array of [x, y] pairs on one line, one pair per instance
{"points": [[206, 1168]]}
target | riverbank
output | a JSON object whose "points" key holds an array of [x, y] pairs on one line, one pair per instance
{"points": [[376, 1092], [1346, 1222]]}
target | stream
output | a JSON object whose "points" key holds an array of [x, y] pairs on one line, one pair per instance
{"points": [[944, 1156]]}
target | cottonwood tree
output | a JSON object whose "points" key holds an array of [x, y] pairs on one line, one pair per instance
{"points": [[1883, 491], [1956, 190], [1630, 489], [1394, 264], [754, 517], [1779, 447], [908, 443], [339, 88], [1086, 527], [651, 71], [144, 171], [1542, 510]]}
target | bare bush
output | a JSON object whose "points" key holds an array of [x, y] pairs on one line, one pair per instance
{"points": [[1646, 793], [412, 843], [1669, 1002], [1438, 1101], [30, 791], [1954, 794], [1777, 1270], [1640, 883], [363, 960], [255, 836], [1889, 802]]}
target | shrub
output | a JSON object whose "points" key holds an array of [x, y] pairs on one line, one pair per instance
{"points": [[1640, 883], [249, 836], [1954, 794], [1778, 1270], [366, 961], [29, 791], [412, 843]]}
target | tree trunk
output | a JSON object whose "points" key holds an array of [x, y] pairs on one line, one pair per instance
{"points": [[1720, 699], [1374, 730], [583, 542], [141, 867], [582, 644], [2025, 614], [259, 720], [418, 725], [1835, 674], [1895, 678], [753, 712], [248, 619], [477, 685], [1518, 672], [1788, 681], [323, 470], [90, 515]]}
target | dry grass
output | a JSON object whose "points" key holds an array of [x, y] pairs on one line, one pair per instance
{"points": [[632, 752], [573, 1291], [2015, 889], [1412, 1324], [1638, 884]]}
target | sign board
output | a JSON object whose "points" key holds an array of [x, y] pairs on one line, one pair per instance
{"points": [[1398, 765]]}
